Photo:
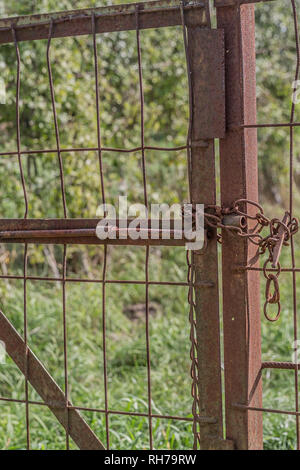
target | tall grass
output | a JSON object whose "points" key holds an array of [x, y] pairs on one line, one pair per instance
{"points": [[126, 356]]}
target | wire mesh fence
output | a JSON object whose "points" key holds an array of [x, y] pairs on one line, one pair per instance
{"points": [[83, 231], [273, 270], [243, 238]]}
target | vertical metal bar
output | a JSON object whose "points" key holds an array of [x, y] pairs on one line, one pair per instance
{"points": [[241, 293], [62, 184], [142, 132], [65, 347], [104, 346], [18, 120], [25, 261], [26, 367], [204, 56], [98, 105], [292, 118], [96, 67]]}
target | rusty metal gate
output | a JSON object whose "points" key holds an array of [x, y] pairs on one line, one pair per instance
{"points": [[222, 100]]}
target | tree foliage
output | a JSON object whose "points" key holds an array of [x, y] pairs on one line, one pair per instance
{"points": [[74, 82], [166, 113]]}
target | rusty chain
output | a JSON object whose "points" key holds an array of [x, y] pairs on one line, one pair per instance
{"points": [[193, 349], [280, 232]]}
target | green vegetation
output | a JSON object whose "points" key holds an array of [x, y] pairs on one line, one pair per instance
{"points": [[166, 112], [126, 356]]}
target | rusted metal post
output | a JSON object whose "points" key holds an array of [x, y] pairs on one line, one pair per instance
{"points": [[241, 302], [206, 62]]}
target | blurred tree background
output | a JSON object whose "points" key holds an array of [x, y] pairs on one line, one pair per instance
{"points": [[73, 73], [166, 111]]}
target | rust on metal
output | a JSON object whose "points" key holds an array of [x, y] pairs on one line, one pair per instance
{"points": [[237, 128], [83, 231], [281, 237], [279, 365], [154, 14], [91, 149], [46, 387], [241, 300], [217, 444], [225, 3], [205, 59], [208, 67], [235, 221]]}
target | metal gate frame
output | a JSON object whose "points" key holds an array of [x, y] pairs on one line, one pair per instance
{"points": [[234, 124], [239, 179], [241, 303], [205, 62]]}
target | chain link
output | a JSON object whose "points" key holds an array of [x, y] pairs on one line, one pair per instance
{"points": [[278, 229], [193, 349], [214, 218]]}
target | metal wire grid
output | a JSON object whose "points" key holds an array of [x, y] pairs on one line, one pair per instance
{"points": [[293, 269], [104, 281]]}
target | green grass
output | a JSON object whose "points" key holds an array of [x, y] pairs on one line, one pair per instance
{"points": [[126, 355]]}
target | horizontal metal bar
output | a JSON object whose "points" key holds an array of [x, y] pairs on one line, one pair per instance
{"points": [[238, 127], [88, 240], [201, 419], [267, 125], [83, 231], [280, 365], [227, 3], [155, 14], [109, 281], [77, 235], [282, 270], [93, 149], [265, 410]]}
